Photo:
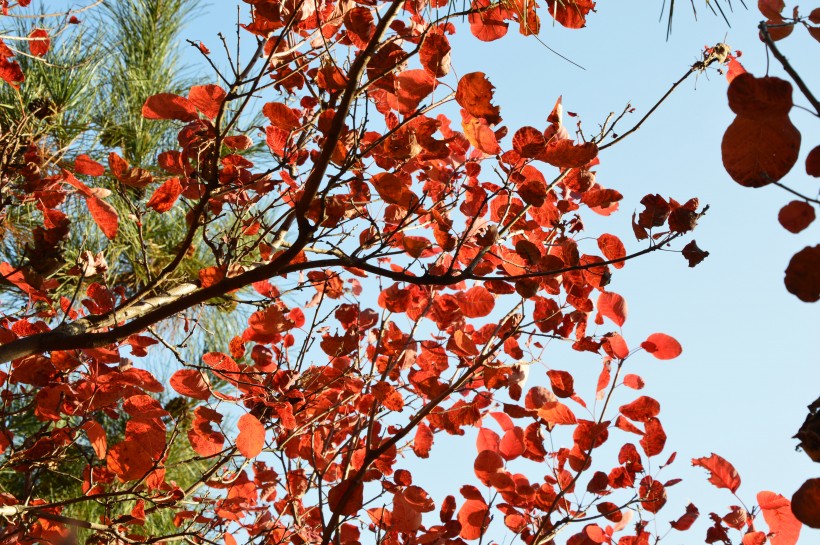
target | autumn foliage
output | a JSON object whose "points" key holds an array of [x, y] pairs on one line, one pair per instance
{"points": [[398, 276]]}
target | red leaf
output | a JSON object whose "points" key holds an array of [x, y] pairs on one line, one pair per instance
{"points": [[475, 94], [760, 98], [476, 302], [413, 86], [662, 346], [562, 383], [642, 409], [654, 439], [613, 306], [612, 248], [251, 438], [281, 116], [39, 43], [759, 152], [796, 216], [169, 106], [104, 215], [84, 164], [487, 464], [653, 494], [512, 444], [423, 441], [806, 503], [96, 436], [687, 519], [721, 473], [771, 9], [346, 498], [190, 383], [633, 381], [567, 154], [474, 518], [778, 514], [487, 24], [570, 13], [813, 159], [207, 99], [693, 254], [434, 54], [529, 142], [479, 134], [803, 274], [165, 195], [11, 72]]}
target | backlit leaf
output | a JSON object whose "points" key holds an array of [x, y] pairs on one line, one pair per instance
{"points": [[721, 473]]}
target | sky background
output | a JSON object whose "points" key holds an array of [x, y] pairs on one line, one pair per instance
{"points": [[750, 364]]}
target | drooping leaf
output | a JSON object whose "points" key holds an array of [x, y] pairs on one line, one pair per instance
{"points": [[613, 306], [721, 473]]}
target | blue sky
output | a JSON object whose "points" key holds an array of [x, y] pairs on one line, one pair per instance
{"points": [[750, 364]]}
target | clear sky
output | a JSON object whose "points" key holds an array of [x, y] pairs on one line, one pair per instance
{"points": [[750, 363], [750, 360]]}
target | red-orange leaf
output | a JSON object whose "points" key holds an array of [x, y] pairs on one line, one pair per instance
{"points": [[476, 302], [84, 164], [474, 518], [784, 528], [570, 13], [475, 94], [613, 306], [251, 438], [562, 383], [346, 497], [435, 54], [39, 42], [612, 248], [165, 195], [169, 106], [796, 216], [104, 215], [642, 409], [721, 473], [207, 99], [190, 383], [662, 346], [567, 154], [487, 24]]}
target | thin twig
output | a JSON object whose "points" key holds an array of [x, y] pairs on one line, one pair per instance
{"points": [[764, 32]]}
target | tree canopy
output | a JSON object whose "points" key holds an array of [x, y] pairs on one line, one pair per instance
{"points": [[238, 308]]}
